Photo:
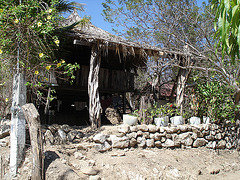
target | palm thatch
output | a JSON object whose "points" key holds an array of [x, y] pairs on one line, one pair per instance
{"points": [[88, 34]]}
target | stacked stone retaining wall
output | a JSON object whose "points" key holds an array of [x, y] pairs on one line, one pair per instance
{"points": [[182, 136]]}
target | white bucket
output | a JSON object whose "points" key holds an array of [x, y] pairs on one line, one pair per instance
{"points": [[129, 120], [195, 120], [206, 120], [162, 121], [177, 120]]}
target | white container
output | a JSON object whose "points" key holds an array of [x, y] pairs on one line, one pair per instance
{"points": [[129, 120], [177, 120], [195, 120], [162, 121], [206, 120]]}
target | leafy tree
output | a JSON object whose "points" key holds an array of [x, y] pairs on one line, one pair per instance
{"points": [[29, 38], [227, 26]]}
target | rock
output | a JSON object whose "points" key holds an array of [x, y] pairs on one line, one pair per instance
{"points": [[49, 138], [205, 133], [163, 139], [4, 130], [169, 130], [213, 169], [174, 129], [89, 171], [100, 138], [158, 144], [173, 174], [209, 138], [213, 133], [150, 143], [168, 143], [153, 128], [59, 170], [139, 133], [133, 128], [97, 177], [79, 135], [132, 135], [141, 141], [218, 136], [71, 135], [221, 144], [182, 128], [62, 135], [124, 129], [78, 155], [146, 135], [152, 136], [132, 142], [119, 142], [84, 146], [184, 139], [103, 147], [168, 136], [113, 116], [199, 142], [194, 136], [143, 127], [53, 128], [157, 136], [162, 129], [3, 143], [228, 145], [66, 128]]}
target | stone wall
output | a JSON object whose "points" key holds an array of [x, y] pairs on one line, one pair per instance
{"points": [[182, 136]]}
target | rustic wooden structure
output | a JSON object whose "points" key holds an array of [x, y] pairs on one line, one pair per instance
{"points": [[107, 66], [33, 119]]}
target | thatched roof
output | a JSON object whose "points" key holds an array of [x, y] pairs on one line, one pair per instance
{"points": [[92, 34]]}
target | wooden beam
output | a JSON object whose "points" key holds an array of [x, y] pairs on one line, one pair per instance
{"points": [[33, 119], [93, 87]]}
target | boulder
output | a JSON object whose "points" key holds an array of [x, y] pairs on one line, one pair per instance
{"points": [[89, 171], [119, 142], [221, 144], [4, 130], [143, 127], [71, 135], [141, 141], [153, 128], [168, 143], [103, 147], [124, 129], [66, 128], [158, 144], [132, 135], [184, 139], [133, 128], [62, 135], [132, 142], [199, 142], [78, 155], [113, 116], [49, 138], [100, 138], [150, 143]]}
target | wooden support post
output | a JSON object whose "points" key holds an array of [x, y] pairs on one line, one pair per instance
{"points": [[124, 102], [93, 84], [33, 119]]}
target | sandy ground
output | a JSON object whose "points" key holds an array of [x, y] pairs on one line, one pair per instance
{"points": [[71, 161]]}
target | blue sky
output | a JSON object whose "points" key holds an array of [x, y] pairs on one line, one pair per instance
{"points": [[94, 9]]}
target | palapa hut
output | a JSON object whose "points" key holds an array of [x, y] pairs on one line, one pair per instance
{"points": [[107, 66]]}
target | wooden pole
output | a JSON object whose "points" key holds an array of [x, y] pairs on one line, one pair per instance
{"points": [[33, 119], [93, 85]]}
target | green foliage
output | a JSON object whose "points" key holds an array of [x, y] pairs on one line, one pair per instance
{"points": [[227, 26], [216, 101]]}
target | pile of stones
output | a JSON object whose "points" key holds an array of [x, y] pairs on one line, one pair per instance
{"points": [[182, 136]]}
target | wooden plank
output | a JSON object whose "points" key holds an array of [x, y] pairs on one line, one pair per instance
{"points": [[33, 119]]}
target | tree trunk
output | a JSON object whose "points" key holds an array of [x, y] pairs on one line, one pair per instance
{"points": [[33, 119], [93, 91], [183, 75]]}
